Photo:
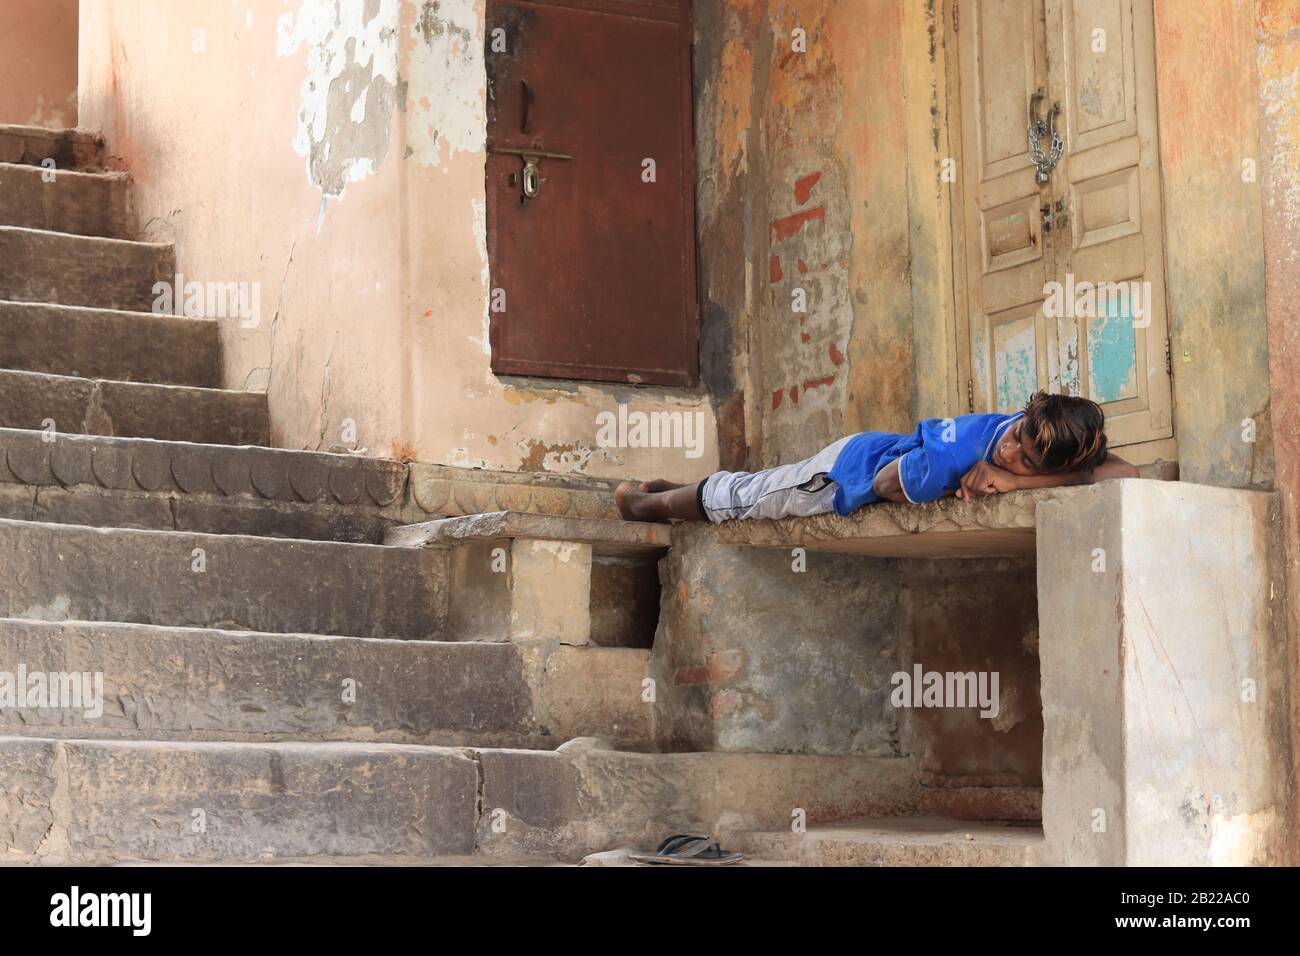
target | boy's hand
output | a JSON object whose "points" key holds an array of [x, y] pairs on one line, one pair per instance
{"points": [[985, 479]]}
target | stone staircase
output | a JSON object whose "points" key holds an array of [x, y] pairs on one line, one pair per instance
{"points": [[277, 682]]}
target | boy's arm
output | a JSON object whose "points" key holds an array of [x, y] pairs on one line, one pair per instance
{"points": [[887, 484], [988, 479]]}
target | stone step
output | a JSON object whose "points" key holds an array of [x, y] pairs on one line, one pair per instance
{"points": [[86, 406], [76, 573], [64, 269], [214, 489], [91, 801], [167, 683], [69, 148], [84, 204], [902, 841], [86, 801], [100, 343]]}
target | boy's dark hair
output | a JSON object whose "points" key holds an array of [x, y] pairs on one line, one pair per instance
{"points": [[1067, 432]]}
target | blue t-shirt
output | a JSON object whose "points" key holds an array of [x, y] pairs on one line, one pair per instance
{"points": [[934, 458]]}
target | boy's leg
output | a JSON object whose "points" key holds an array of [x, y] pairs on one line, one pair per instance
{"points": [[785, 491], [680, 502]]}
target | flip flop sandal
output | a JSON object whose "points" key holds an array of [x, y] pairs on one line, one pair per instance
{"points": [[688, 849]]}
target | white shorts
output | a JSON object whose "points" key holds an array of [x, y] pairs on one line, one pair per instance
{"points": [[787, 491]]}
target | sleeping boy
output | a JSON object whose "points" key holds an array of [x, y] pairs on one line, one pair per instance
{"points": [[1055, 440]]}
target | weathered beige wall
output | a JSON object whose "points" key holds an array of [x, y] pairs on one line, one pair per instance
{"points": [[803, 188], [334, 153], [1211, 166], [38, 63]]}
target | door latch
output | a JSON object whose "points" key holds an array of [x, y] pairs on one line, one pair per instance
{"points": [[531, 180], [1054, 216]]}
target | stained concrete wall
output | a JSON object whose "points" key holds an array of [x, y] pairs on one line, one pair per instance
{"points": [[334, 153], [38, 63], [758, 651]]}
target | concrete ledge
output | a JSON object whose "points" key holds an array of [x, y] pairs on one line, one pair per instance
{"points": [[996, 526], [606, 537], [217, 489], [443, 490]]}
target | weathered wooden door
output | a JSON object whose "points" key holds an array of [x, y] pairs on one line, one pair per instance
{"points": [[1065, 286], [590, 190]]}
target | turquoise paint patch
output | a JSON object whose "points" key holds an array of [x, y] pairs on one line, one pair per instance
{"points": [[1017, 376], [1112, 351]]}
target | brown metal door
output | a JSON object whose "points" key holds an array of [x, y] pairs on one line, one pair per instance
{"points": [[596, 267]]}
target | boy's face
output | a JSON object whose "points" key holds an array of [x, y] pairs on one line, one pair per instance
{"points": [[1016, 453]]}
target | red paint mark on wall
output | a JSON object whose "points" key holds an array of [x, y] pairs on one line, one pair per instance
{"points": [[803, 266], [775, 269], [776, 398], [837, 357], [803, 188], [719, 667], [794, 394], [723, 703], [783, 229], [818, 382], [804, 337]]}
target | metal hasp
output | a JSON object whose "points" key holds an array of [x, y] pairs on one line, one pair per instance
{"points": [[532, 176]]}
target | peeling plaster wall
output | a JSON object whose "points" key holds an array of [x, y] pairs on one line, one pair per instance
{"points": [[803, 202], [333, 151], [38, 63]]}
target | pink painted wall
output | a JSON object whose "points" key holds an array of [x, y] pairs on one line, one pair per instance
{"points": [[38, 63], [334, 154]]}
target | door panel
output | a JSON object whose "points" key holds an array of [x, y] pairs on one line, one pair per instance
{"points": [[598, 269], [1096, 221], [1002, 51], [1111, 187]]}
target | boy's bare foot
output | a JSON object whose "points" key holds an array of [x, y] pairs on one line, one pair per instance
{"points": [[659, 484], [676, 502], [627, 496]]}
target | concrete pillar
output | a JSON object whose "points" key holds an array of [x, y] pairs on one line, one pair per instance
{"points": [[1163, 676]]}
